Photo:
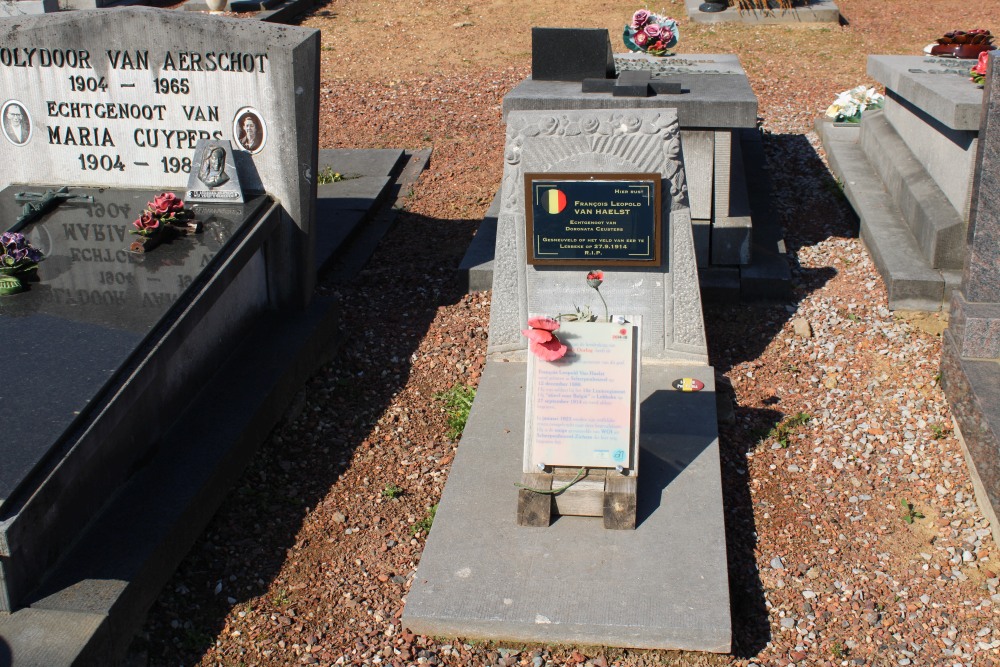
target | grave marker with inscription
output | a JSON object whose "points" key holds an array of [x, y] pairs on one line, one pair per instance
{"points": [[101, 111], [123, 97]]}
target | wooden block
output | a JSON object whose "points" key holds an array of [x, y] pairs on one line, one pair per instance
{"points": [[534, 509], [585, 498], [620, 502]]}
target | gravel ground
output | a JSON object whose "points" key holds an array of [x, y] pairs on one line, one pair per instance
{"points": [[840, 430]]}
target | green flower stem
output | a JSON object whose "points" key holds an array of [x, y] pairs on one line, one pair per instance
{"points": [[607, 317], [554, 492]]}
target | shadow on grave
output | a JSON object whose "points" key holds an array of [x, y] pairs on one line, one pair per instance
{"points": [[810, 206], [331, 421]]}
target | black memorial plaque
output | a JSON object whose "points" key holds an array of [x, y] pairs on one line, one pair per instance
{"points": [[593, 219]]}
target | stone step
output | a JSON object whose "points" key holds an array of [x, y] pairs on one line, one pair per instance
{"points": [[343, 207], [937, 227], [912, 283]]}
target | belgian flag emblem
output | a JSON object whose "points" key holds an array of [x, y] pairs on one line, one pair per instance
{"points": [[553, 201]]}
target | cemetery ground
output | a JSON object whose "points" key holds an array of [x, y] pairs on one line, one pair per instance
{"points": [[853, 533]]}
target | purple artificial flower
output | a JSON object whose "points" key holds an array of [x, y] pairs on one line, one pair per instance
{"points": [[652, 30], [640, 18]]}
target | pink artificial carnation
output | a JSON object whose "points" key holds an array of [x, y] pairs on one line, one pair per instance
{"points": [[652, 30], [640, 18]]}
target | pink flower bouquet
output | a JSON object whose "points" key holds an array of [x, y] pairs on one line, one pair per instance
{"points": [[651, 33]]}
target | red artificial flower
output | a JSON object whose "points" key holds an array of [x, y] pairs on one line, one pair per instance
{"points": [[980, 67], [166, 203], [595, 278], [146, 224], [640, 39]]}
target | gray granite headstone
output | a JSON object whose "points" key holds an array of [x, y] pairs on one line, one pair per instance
{"points": [[122, 97], [571, 54], [970, 357], [635, 141], [976, 309]]}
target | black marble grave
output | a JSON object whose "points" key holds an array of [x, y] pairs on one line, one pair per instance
{"points": [[97, 353]]}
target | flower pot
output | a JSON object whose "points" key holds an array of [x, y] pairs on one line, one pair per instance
{"points": [[216, 6], [14, 280], [10, 284]]}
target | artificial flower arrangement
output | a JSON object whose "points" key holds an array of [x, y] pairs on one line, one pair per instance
{"points": [[849, 105], [543, 341], [978, 73], [17, 257], [165, 214], [651, 33]]}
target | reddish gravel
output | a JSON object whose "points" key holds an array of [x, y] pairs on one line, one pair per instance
{"points": [[308, 562]]}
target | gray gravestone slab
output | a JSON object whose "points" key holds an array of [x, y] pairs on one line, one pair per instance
{"points": [[630, 142], [938, 86], [361, 162], [981, 282], [131, 115], [571, 54], [662, 585], [970, 363], [722, 99], [695, 63], [699, 155]]}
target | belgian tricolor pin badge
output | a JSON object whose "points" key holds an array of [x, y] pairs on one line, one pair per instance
{"points": [[688, 384]]}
